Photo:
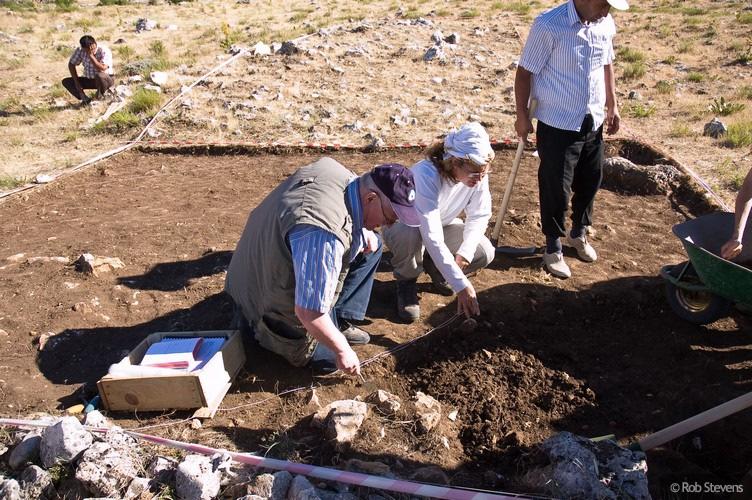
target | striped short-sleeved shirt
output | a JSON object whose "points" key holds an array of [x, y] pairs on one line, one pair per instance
{"points": [[566, 58], [103, 55], [317, 257]]}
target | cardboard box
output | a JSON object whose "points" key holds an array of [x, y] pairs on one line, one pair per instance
{"points": [[203, 388]]}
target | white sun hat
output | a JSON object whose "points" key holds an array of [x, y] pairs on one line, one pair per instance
{"points": [[619, 4]]}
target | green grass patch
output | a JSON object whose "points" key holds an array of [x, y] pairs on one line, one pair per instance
{"points": [[66, 5], [630, 55], [144, 101], [469, 13], [639, 110], [229, 36], [685, 46], [517, 7], [114, 2], [681, 130], [10, 182], [695, 77], [693, 11], [664, 87], [731, 175], [635, 70], [125, 53], [57, 91], [745, 92], [9, 104], [739, 135], [19, 5], [118, 122], [158, 49], [744, 18]]}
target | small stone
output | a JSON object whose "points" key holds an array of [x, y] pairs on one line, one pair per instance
{"points": [[43, 179], [3, 333], [195, 424], [434, 52], [469, 326], [288, 48], [634, 95], [452, 415], [158, 77], [262, 49], [452, 39], [715, 129]]}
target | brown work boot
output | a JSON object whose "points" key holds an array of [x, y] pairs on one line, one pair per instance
{"points": [[408, 308]]}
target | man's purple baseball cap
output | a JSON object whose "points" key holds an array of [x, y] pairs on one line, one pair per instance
{"points": [[396, 182]]}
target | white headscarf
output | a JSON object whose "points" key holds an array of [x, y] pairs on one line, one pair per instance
{"points": [[469, 142]]}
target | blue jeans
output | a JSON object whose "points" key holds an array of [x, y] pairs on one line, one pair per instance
{"points": [[356, 290], [353, 299]]}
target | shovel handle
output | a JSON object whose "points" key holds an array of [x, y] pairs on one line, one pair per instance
{"points": [[512, 176]]}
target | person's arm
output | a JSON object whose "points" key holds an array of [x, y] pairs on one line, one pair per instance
{"points": [[320, 326], [477, 215], [99, 65], [523, 80], [317, 261], [613, 120], [742, 207]]}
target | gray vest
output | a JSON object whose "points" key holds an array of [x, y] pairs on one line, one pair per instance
{"points": [[261, 278]]}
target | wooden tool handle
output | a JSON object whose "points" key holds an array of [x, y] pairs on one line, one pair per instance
{"points": [[512, 176]]}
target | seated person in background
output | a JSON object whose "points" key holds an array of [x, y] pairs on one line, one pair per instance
{"points": [[451, 180], [733, 247], [305, 263], [98, 73]]}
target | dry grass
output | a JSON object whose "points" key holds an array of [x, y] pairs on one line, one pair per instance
{"points": [[703, 51]]}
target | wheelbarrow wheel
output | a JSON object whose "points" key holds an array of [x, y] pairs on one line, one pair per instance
{"points": [[698, 307]]}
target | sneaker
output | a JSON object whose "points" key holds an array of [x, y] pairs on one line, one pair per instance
{"points": [[440, 285], [556, 265], [353, 334], [322, 366], [584, 249], [408, 308]]}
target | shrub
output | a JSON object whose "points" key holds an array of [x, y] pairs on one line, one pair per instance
{"points": [[118, 122], [9, 182], [144, 101], [745, 92], [114, 2], [640, 110], [634, 70], [664, 87], [739, 135], [157, 49], [695, 77], [65, 5], [681, 130], [721, 106], [630, 55], [744, 17]]}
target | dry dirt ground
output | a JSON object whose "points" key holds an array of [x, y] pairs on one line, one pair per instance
{"points": [[600, 353], [363, 75]]}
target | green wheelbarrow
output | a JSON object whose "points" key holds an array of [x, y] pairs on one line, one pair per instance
{"points": [[704, 288]]}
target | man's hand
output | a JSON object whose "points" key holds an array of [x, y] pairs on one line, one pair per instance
{"points": [[613, 121], [467, 302], [371, 241], [461, 262], [348, 362], [731, 249], [523, 126]]}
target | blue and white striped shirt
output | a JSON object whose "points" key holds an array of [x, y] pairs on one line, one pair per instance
{"points": [[566, 58], [317, 256]]}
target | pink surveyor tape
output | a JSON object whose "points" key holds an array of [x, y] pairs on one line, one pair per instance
{"points": [[352, 478]]}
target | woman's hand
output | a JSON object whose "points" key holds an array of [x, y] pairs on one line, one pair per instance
{"points": [[467, 302], [731, 249], [461, 262]]}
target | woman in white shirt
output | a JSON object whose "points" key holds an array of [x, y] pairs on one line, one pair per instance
{"points": [[452, 179]]}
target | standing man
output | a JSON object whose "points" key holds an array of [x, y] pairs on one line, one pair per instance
{"points": [[305, 263], [567, 66], [98, 72]]}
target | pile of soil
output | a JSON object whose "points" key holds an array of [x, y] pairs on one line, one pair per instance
{"points": [[600, 353]]}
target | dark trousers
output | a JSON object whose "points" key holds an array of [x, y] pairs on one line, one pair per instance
{"points": [[570, 167], [101, 82]]}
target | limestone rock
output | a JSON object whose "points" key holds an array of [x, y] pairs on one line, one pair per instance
{"points": [[144, 24], [435, 52], [37, 483], [302, 489], [581, 468], [341, 420], [137, 488], [63, 442], [620, 174], [715, 128], [288, 49], [271, 485], [159, 78], [196, 478], [262, 49], [88, 263], [162, 469], [10, 489], [107, 467], [385, 402], [26, 451], [428, 411]]}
